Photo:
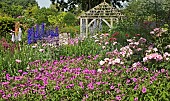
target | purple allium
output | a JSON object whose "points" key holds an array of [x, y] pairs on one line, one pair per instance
{"points": [[144, 89]]}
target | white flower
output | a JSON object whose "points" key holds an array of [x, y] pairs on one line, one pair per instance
{"points": [[102, 62], [18, 61], [34, 46], [117, 60], [41, 50], [114, 43], [103, 47], [13, 38], [136, 43], [106, 59], [155, 49], [129, 40], [168, 46], [106, 43], [152, 32], [96, 40], [145, 59], [99, 70]]}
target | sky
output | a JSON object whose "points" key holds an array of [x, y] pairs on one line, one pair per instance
{"points": [[44, 3]]}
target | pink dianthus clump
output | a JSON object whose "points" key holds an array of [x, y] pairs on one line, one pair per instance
{"points": [[154, 56]]}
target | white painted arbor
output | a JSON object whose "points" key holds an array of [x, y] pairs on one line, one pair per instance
{"points": [[104, 12]]}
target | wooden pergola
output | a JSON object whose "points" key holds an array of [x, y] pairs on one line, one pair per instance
{"points": [[104, 12]]}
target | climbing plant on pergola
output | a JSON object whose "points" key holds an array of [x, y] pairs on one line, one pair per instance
{"points": [[102, 12]]}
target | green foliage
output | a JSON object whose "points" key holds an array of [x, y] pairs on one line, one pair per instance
{"points": [[69, 19], [73, 30], [7, 24], [23, 3]]}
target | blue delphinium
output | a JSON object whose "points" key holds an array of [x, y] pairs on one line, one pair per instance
{"points": [[29, 36], [56, 32], [37, 36]]}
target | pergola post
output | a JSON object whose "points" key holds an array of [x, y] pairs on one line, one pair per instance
{"points": [[86, 27], [81, 31], [111, 22]]}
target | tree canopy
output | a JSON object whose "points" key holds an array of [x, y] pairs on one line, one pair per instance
{"points": [[84, 4]]}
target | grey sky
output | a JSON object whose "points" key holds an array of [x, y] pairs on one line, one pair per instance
{"points": [[44, 3]]}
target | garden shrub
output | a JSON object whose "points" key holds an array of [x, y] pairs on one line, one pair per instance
{"points": [[7, 24], [69, 19]]}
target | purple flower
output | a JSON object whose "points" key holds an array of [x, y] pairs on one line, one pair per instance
{"points": [[136, 87], [57, 87], [127, 81], [5, 83], [71, 85], [134, 79], [145, 69], [118, 98], [8, 77], [144, 89], [19, 71], [98, 83], [68, 87], [90, 86]]}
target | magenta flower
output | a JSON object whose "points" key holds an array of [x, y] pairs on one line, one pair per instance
{"points": [[118, 98], [8, 77], [90, 86], [134, 79], [144, 89], [19, 71], [136, 87]]}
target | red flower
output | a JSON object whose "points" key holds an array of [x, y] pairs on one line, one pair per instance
{"points": [[127, 35], [115, 34]]}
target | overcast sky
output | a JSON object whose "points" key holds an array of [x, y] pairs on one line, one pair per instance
{"points": [[44, 3]]}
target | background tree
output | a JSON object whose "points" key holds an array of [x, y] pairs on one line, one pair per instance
{"points": [[85, 4]]}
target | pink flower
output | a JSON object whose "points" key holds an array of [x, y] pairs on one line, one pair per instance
{"points": [[18, 61], [136, 99], [112, 87], [106, 43], [152, 32], [118, 98], [144, 89], [136, 87]]}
